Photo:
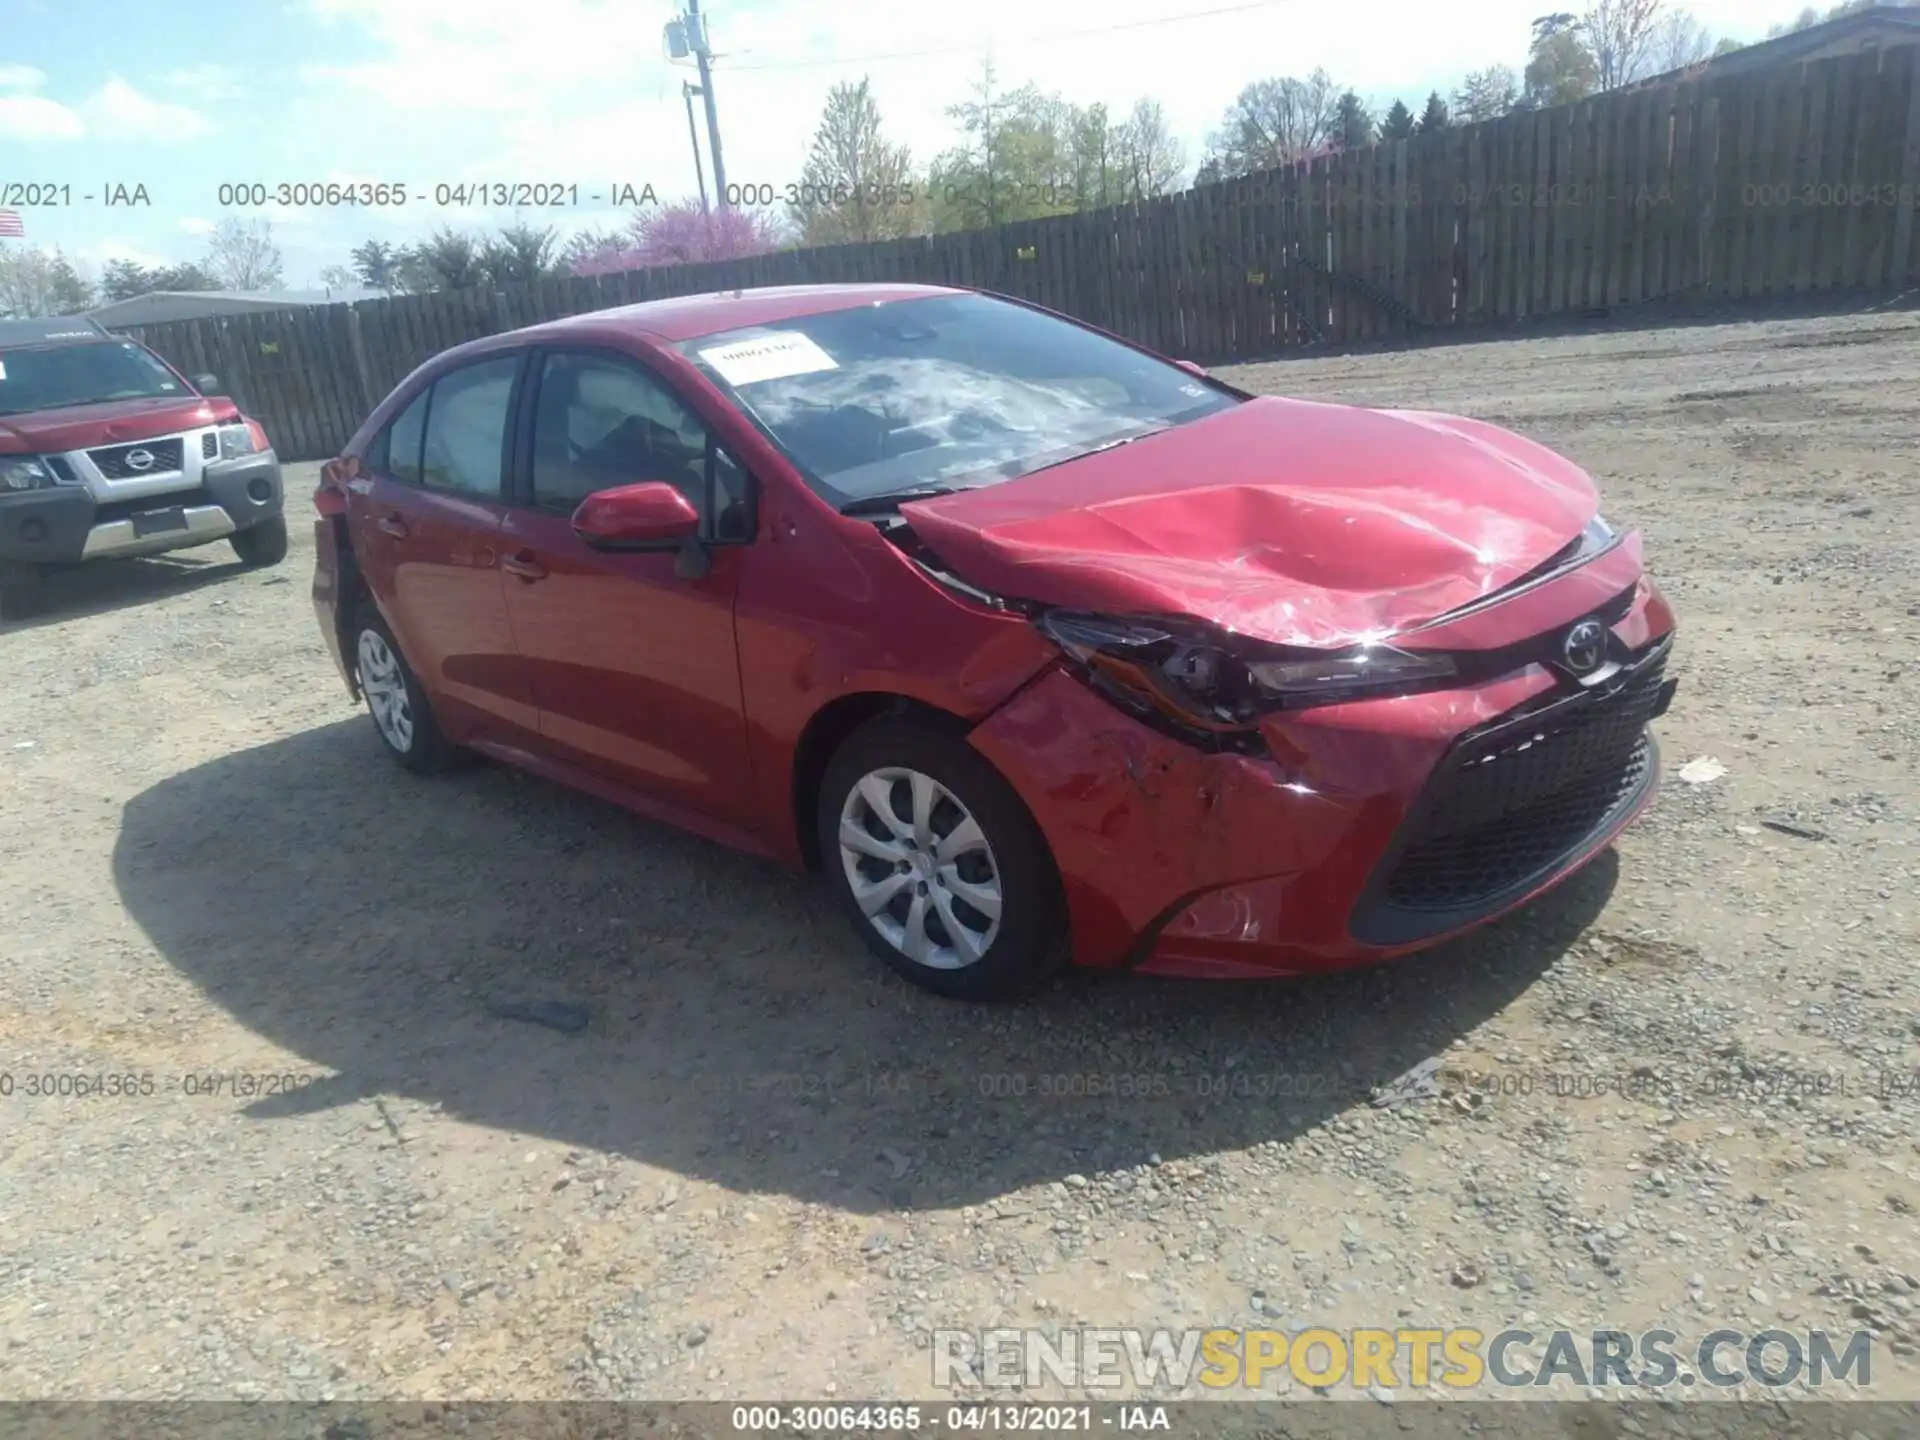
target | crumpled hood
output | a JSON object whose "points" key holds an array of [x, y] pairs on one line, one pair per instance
{"points": [[80, 427], [1296, 522]]}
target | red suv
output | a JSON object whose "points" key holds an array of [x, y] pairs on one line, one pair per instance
{"points": [[1041, 646], [106, 451]]}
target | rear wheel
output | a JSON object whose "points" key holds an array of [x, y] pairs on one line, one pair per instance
{"points": [[261, 545], [20, 594], [401, 714], [941, 869]]}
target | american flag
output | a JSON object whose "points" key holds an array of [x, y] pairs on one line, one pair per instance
{"points": [[10, 223]]}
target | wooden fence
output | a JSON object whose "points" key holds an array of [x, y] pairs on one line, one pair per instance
{"points": [[1792, 181]]}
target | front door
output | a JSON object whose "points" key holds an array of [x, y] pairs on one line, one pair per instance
{"points": [[631, 659]]}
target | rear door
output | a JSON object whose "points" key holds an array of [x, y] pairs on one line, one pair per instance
{"points": [[631, 657], [426, 527]]}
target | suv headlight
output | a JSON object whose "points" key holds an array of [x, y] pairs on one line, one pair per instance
{"points": [[25, 472], [238, 439], [1209, 681]]}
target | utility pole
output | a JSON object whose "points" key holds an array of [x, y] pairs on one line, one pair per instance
{"points": [[689, 90], [697, 40]]}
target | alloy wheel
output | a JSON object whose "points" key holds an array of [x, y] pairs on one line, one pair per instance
{"points": [[920, 868], [385, 686]]}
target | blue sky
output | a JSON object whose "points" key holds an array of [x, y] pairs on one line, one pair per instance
{"points": [[181, 98]]}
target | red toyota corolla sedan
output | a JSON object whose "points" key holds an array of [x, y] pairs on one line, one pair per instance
{"points": [[1041, 646]]}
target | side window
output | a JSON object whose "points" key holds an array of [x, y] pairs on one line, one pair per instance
{"points": [[601, 422], [396, 451], [467, 428]]}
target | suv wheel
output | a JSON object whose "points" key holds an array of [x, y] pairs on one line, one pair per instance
{"points": [[401, 715], [20, 594], [942, 871], [261, 545]]}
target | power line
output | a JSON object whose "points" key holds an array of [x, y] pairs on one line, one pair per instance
{"points": [[1016, 40]]}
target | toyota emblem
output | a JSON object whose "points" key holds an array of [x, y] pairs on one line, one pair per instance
{"points": [[1584, 647], [139, 459]]}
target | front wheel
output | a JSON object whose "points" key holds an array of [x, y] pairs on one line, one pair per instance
{"points": [[261, 545], [942, 870]]}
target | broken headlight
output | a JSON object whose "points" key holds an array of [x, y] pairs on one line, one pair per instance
{"points": [[1211, 681]]}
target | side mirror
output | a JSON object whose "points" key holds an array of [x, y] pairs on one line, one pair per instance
{"points": [[1189, 366], [207, 384], [649, 516]]}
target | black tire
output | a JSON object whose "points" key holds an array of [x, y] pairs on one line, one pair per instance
{"points": [[261, 545], [1030, 942], [20, 593], [427, 751]]}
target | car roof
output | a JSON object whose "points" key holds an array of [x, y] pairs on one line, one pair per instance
{"points": [[687, 317], [52, 330]]}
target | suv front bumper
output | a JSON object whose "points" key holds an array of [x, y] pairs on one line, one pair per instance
{"points": [[66, 525]]}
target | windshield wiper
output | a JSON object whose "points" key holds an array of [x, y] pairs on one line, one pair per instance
{"points": [[1099, 449], [892, 500]]}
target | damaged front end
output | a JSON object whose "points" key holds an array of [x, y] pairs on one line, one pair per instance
{"points": [[1223, 804]]}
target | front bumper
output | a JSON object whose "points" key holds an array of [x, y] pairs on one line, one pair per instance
{"points": [[68, 524], [1343, 845]]}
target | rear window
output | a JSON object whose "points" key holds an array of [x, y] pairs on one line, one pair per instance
{"points": [[58, 377], [949, 390]]}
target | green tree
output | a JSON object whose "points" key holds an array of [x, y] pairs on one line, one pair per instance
{"points": [[519, 255], [448, 259], [1560, 68], [1434, 118], [122, 280], [35, 282], [1275, 122], [1148, 157], [1486, 95], [1399, 124], [377, 265], [857, 185], [1353, 122], [1008, 165]]}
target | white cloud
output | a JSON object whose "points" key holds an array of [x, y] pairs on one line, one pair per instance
{"points": [[30, 117], [103, 251], [195, 225], [21, 77], [118, 110], [207, 83]]}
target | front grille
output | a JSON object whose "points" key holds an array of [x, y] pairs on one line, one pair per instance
{"points": [[1510, 804], [112, 462], [209, 446]]}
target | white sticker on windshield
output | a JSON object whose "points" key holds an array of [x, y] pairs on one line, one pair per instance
{"points": [[3, 369], [768, 357]]}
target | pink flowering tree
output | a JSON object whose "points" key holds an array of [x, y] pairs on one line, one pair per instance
{"points": [[682, 234]]}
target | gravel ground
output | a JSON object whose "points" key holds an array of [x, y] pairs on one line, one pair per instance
{"points": [[768, 1169]]}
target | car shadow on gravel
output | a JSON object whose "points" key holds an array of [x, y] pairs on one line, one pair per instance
{"points": [[102, 586], [368, 921]]}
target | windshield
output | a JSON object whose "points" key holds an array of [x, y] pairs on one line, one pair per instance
{"points": [[950, 391], [55, 377]]}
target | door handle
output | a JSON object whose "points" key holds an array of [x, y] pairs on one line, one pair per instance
{"points": [[523, 566], [392, 525]]}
